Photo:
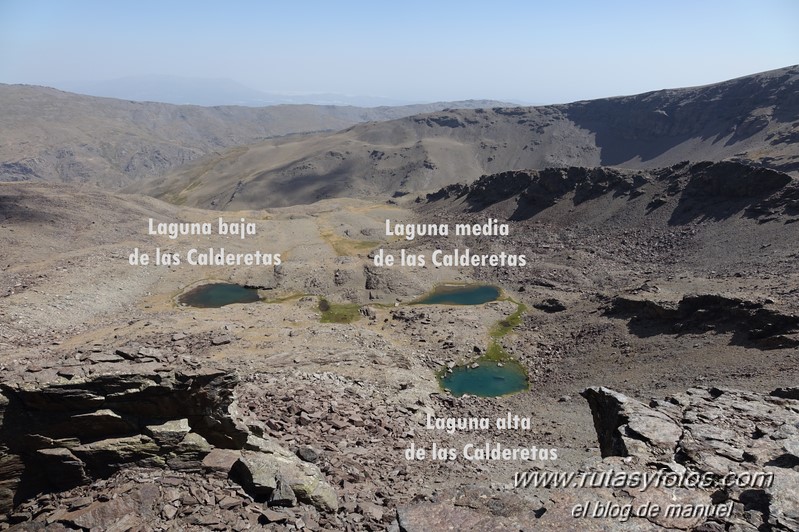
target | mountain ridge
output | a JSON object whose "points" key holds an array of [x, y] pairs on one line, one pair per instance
{"points": [[752, 119], [210, 92], [59, 136]]}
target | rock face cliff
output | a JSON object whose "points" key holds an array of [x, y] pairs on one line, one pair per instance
{"points": [[713, 432], [61, 435], [701, 190]]}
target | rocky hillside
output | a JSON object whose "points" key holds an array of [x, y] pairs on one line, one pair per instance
{"points": [[58, 136], [674, 287], [708, 215], [753, 119], [154, 447]]}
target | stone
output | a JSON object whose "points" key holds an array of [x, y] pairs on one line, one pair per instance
{"points": [[272, 516], [189, 453], [150, 354], [256, 472], [170, 433], [783, 498], [220, 461], [623, 424], [371, 510], [282, 495], [169, 512], [63, 469], [80, 502], [128, 449], [97, 358], [263, 459], [67, 373], [101, 515], [308, 454], [226, 503], [128, 352], [220, 340]]}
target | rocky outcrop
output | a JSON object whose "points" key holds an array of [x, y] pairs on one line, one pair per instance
{"points": [[57, 436], [712, 433], [267, 468], [749, 322], [550, 305], [758, 193], [728, 179], [625, 426]]}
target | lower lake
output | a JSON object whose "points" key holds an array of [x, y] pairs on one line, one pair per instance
{"points": [[216, 295]]}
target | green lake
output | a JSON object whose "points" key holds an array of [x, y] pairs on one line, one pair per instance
{"points": [[216, 295], [471, 294]]}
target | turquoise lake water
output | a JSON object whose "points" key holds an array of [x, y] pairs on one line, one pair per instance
{"points": [[475, 294], [216, 295], [487, 380]]}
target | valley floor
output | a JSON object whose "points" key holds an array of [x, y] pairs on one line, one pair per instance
{"points": [[360, 393]]}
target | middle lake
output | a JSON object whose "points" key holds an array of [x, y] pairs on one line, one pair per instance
{"points": [[472, 294]]}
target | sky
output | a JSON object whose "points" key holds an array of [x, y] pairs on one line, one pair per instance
{"points": [[415, 51]]}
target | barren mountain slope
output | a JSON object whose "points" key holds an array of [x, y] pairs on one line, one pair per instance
{"points": [[58, 136], [753, 119], [643, 280]]}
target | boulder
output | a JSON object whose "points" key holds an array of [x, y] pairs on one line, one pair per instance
{"points": [[63, 469], [625, 426], [263, 460]]}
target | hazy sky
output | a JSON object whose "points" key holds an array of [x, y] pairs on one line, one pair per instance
{"points": [[541, 52]]}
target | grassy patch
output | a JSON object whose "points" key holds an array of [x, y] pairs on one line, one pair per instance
{"points": [[339, 313], [495, 352], [348, 247], [284, 299], [505, 326]]}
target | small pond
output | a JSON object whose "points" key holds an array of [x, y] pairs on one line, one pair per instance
{"points": [[489, 379], [216, 295], [470, 294]]}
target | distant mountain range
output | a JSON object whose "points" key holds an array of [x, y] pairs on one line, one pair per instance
{"points": [[49, 134], [752, 119], [210, 92]]}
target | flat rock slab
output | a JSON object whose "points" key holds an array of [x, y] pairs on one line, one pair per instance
{"points": [[170, 433], [220, 461]]}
